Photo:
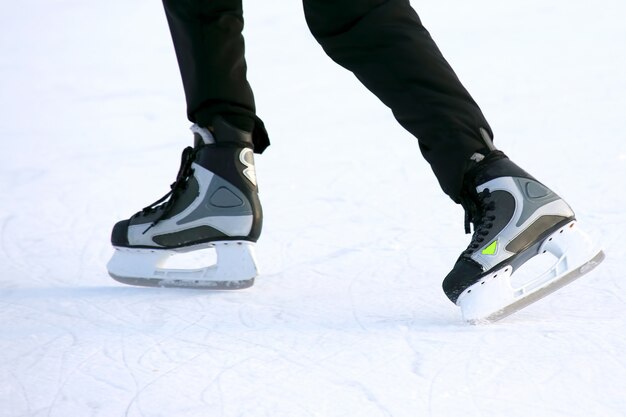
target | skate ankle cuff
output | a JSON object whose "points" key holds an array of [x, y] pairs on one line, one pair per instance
{"points": [[224, 133]]}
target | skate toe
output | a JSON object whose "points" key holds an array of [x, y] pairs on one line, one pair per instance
{"points": [[119, 235], [465, 273]]}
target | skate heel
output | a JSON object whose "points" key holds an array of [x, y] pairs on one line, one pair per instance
{"points": [[235, 268], [494, 296]]}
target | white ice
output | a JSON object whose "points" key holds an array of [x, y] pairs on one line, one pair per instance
{"points": [[347, 318]]}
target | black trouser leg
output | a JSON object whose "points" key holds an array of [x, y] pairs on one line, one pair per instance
{"points": [[210, 51], [385, 45]]}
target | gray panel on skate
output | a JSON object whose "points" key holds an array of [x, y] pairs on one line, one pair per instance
{"points": [[217, 193], [224, 198], [535, 195]]}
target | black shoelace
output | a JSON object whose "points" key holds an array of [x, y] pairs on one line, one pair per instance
{"points": [[164, 204], [477, 212]]}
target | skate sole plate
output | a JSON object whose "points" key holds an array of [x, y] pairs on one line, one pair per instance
{"points": [[235, 269], [542, 292]]}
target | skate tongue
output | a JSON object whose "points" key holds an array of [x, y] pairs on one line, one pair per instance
{"points": [[202, 136]]}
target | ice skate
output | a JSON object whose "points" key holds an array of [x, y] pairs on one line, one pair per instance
{"points": [[212, 204], [515, 219]]}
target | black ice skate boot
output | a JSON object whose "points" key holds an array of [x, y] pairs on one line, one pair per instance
{"points": [[515, 218], [213, 203]]}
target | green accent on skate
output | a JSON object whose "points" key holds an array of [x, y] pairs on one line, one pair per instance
{"points": [[491, 249]]}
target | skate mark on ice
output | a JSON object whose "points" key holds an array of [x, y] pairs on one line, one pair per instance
{"points": [[353, 308], [23, 392], [135, 400], [6, 242], [67, 377], [369, 396]]}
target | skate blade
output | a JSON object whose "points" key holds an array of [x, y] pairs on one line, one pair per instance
{"points": [[235, 269], [494, 298]]}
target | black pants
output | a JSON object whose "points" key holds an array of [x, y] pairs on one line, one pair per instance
{"points": [[382, 42]]}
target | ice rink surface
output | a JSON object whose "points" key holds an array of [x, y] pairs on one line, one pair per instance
{"points": [[347, 318]]}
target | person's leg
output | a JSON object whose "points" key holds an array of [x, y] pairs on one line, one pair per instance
{"points": [[515, 217], [214, 201], [209, 46], [385, 45]]}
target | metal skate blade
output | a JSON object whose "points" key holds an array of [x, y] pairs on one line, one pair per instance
{"points": [[184, 283], [234, 269], [542, 292]]}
